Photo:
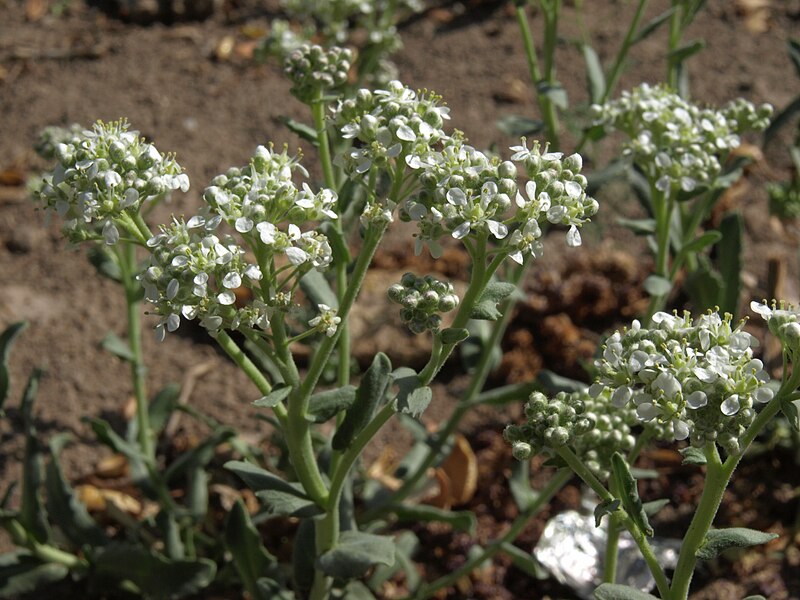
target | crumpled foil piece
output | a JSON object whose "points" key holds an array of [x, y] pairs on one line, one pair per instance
{"points": [[573, 549]]}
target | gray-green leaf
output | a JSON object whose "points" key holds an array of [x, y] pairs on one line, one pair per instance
{"points": [[614, 591], [355, 553], [486, 306], [719, 540]]}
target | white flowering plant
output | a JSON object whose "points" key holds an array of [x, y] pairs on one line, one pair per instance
{"points": [[272, 260]]}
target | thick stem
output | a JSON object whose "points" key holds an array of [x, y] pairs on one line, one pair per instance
{"points": [[44, 552], [662, 212]]}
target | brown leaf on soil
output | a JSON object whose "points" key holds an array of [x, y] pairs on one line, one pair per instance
{"points": [[98, 499], [12, 176], [112, 467], [224, 48], [461, 468], [246, 49], [440, 495], [36, 9], [755, 14], [514, 91]]}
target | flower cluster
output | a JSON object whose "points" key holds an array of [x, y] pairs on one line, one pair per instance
{"points": [[389, 124], [193, 273], [676, 143], [326, 321], [422, 299], [783, 322], [556, 192], [464, 191], [102, 178], [315, 71], [697, 377], [256, 199], [593, 428]]}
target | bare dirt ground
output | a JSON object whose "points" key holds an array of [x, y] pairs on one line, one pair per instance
{"points": [[179, 86]]}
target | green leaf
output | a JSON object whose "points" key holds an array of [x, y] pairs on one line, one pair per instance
{"points": [[23, 574], [328, 404], [162, 406], [104, 262], [306, 132], [459, 520], [516, 126], [33, 515], [614, 591], [631, 502], [412, 398], [679, 55], [655, 285], [66, 511], [652, 25], [719, 540], [250, 557], [756, 597], [303, 553], [693, 456], [371, 392], [259, 480], [701, 242], [704, 287], [525, 561], [154, 575], [110, 438], [794, 53], [199, 456], [355, 590], [355, 553], [730, 261], [520, 484], [554, 92], [406, 545], [554, 383], [269, 589], [789, 410], [595, 79], [639, 226], [275, 397], [317, 289], [486, 306], [278, 502], [117, 346], [606, 507], [454, 335], [654, 506], [781, 119], [6, 342]]}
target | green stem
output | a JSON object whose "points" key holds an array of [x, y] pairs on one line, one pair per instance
{"points": [[662, 212], [127, 261], [516, 528], [619, 61], [675, 33], [44, 552], [546, 106]]}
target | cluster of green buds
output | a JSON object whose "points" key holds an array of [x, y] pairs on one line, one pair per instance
{"points": [[677, 144], [423, 299], [696, 377], [194, 271], [102, 178], [316, 71], [50, 137], [592, 427], [387, 126]]}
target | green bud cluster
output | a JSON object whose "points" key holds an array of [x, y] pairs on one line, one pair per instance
{"points": [[592, 427], [316, 71], [679, 145], [50, 138], [783, 321], [422, 299], [102, 178]]}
